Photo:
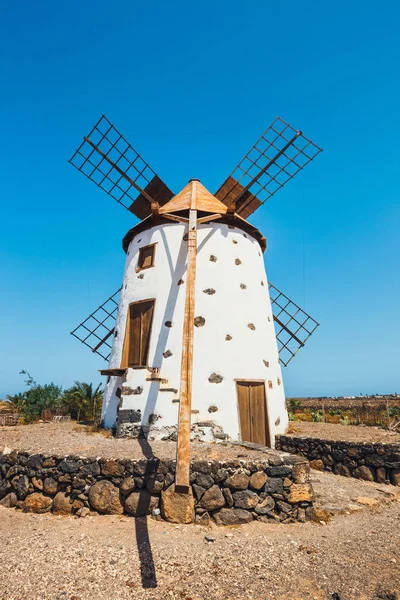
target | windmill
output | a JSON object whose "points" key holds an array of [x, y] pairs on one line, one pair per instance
{"points": [[196, 336]]}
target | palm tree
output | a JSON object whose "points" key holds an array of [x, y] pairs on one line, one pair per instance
{"points": [[13, 404], [84, 401]]}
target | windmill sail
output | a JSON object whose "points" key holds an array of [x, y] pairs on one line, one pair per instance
{"points": [[293, 325], [108, 159], [97, 329], [277, 156]]}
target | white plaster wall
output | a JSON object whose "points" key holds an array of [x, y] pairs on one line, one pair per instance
{"points": [[228, 311]]}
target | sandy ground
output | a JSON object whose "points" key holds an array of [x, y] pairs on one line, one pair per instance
{"points": [[347, 433], [71, 438], [354, 556]]}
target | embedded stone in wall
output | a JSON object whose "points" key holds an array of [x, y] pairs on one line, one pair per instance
{"points": [[364, 472], [234, 241], [238, 261], [37, 503], [127, 486], [199, 321], [129, 416], [112, 468], [62, 504], [168, 323], [180, 282], [176, 507], [209, 291], [245, 499], [128, 391], [243, 286], [212, 408], [212, 499], [262, 283], [300, 492], [257, 480], [266, 363], [238, 481], [141, 503], [228, 337], [266, 506], [213, 258], [251, 326], [140, 276], [153, 418], [167, 354], [232, 516], [104, 497], [215, 378]]}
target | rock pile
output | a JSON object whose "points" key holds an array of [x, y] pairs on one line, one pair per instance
{"points": [[229, 492]]}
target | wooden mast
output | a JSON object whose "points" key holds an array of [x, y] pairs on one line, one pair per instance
{"points": [[185, 404]]}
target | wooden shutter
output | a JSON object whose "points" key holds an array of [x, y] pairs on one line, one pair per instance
{"points": [[138, 331], [146, 257], [134, 335], [146, 321]]}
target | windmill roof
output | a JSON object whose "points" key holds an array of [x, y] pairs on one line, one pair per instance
{"points": [[194, 195]]}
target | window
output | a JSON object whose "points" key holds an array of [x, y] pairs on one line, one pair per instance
{"points": [[146, 257], [137, 334]]}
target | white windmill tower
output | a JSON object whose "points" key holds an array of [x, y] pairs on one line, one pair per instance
{"points": [[191, 343]]}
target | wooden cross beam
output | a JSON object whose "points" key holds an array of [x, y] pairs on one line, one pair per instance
{"points": [[185, 403]]}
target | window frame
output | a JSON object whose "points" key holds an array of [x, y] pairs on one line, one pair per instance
{"points": [[153, 258]]}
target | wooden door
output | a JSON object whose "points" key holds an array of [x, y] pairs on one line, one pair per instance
{"points": [[137, 336], [253, 412]]}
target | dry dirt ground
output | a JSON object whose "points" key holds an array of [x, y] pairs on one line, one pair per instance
{"points": [[346, 433], [71, 438], [355, 555]]}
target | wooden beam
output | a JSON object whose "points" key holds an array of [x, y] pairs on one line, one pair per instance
{"points": [[208, 218], [185, 403], [105, 338], [176, 218]]}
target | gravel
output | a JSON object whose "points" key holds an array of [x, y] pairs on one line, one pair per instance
{"points": [[356, 555], [71, 438], [345, 433]]}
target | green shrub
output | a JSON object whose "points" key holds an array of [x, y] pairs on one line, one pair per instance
{"points": [[318, 416]]}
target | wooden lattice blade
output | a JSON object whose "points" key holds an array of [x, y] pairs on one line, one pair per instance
{"points": [[278, 155], [106, 158], [293, 325], [97, 329]]}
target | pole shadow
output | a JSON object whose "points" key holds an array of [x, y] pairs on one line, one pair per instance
{"points": [[147, 567]]}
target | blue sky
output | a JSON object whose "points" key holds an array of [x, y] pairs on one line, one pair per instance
{"points": [[192, 86]]}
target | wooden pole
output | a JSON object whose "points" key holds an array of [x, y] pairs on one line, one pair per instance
{"points": [[185, 403]]}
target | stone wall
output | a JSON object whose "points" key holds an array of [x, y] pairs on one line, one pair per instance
{"points": [[368, 461], [229, 492]]}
